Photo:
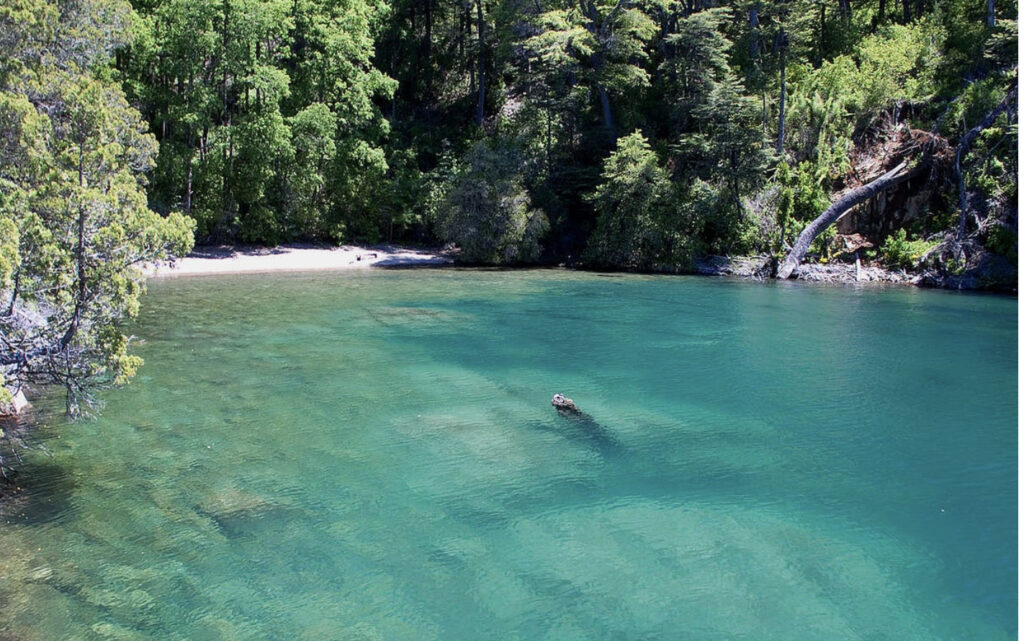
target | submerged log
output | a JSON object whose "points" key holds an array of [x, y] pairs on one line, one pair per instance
{"points": [[580, 426], [564, 404]]}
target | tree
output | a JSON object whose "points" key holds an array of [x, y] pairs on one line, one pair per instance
{"points": [[719, 141], [631, 202], [221, 83], [486, 211], [604, 38], [73, 197]]}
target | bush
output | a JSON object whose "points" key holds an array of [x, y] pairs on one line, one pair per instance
{"points": [[801, 198], [897, 251], [484, 209], [1002, 241], [632, 201]]}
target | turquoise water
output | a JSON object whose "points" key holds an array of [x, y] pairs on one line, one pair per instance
{"points": [[373, 455]]}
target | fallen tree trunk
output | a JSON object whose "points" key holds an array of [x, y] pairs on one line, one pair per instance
{"points": [[894, 176]]}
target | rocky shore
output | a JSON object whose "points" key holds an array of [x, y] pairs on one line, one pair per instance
{"points": [[987, 275]]}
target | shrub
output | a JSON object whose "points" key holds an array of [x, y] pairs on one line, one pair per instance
{"points": [[485, 210], [631, 203], [898, 251]]}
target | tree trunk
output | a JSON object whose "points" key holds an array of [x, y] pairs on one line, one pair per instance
{"points": [[881, 12], [606, 111], [821, 36], [755, 38], [764, 116], [188, 178], [1006, 104], [852, 198], [481, 90], [547, 142], [906, 12], [990, 13], [188, 188], [844, 10], [782, 100], [428, 38]]}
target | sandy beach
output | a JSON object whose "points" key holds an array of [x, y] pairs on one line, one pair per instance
{"points": [[235, 260]]}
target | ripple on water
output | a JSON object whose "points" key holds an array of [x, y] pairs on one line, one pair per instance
{"points": [[374, 456]]}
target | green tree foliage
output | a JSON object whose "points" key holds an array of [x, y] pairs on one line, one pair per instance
{"points": [[76, 226], [898, 251], [720, 142], [333, 120], [486, 211], [237, 92], [602, 41], [633, 204]]}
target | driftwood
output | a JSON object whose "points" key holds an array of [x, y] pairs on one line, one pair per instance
{"points": [[894, 176]]}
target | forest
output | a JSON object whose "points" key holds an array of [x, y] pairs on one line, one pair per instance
{"points": [[610, 134], [616, 134]]}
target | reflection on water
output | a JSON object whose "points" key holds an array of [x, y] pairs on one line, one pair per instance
{"points": [[375, 456]]}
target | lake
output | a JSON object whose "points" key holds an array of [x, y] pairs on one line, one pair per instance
{"points": [[374, 456]]}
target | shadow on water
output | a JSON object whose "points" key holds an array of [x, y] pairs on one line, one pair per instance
{"points": [[38, 494], [581, 427]]}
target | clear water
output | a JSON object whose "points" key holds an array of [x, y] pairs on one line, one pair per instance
{"points": [[374, 456]]}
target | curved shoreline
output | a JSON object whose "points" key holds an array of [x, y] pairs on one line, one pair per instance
{"points": [[215, 260], [284, 258]]}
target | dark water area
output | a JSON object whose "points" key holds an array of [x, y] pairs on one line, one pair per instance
{"points": [[375, 456]]}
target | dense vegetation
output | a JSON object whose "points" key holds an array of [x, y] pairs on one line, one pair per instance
{"points": [[74, 223], [629, 134]]}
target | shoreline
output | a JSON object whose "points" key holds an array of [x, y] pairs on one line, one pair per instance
{"points": [[227, 260], [212, 260]]}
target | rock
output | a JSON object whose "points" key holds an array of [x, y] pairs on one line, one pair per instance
{"points": [[757, 267], [19, 401], [564, 404], [15, 406]]}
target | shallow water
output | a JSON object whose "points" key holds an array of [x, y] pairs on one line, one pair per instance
{"points": [[374, 456]]}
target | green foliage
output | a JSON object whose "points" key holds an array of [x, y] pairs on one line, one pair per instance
{"points": [[1003, 241], [898, 63], [281, 120], [632, 202], [899, 251], [8, 249], [75, 222], [484, 209], [606, 39], [822, 245], [265, 113], [313, 154], [802, 195]]}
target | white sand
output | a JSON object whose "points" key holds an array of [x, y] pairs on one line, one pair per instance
{"points": [[227, 260]]}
